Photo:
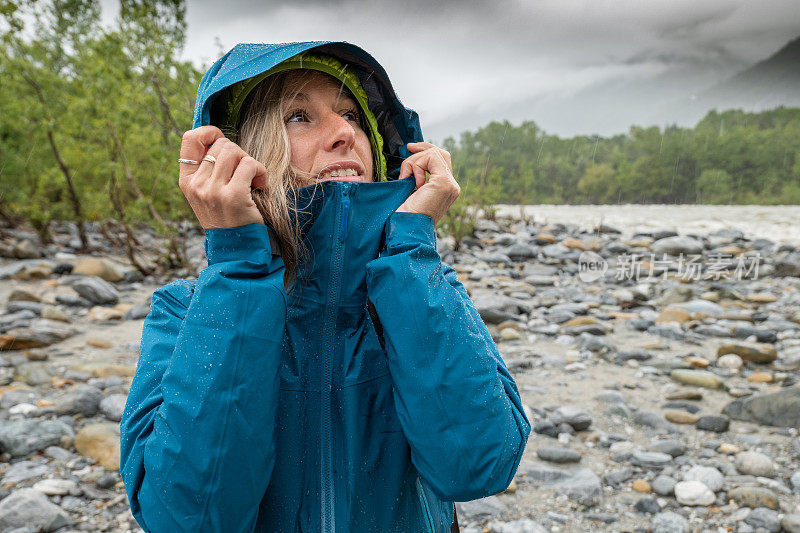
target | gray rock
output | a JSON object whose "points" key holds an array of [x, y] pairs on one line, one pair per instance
{"points": [[669, 522], [73, 300], [81, 399], [136, 312], [112, 406], [650, 459], [521, 252], [708, 475], [96, 290], [481, 508], [611, 396], [647, 505], [29, 507], [639, 354], [557, 454], [715, 423], [495, 308], [575, 417], [23, 470], [557, 251], [761, 334], [682, 405], [606, 518], [791, 523], [14, 397], [781, 408], [677, 245], [765, 519], [42, 332], [579, 484], [670, 446], [104, 383], [663, 485], [21, 437], [540, 281], [523, 525], [619, 476], [754, 464], [106, 481], [712, 330], [58, 453], [653, 420], [545, 427], [34, 373], [795, 480]]}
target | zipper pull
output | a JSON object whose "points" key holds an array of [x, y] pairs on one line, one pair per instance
{"points": [[345, 212]]}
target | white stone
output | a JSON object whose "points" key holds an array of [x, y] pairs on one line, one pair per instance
{"points": [[22, 408], [755, 464], [730, 360], [55, 486], [693, 493], [708, 475]]}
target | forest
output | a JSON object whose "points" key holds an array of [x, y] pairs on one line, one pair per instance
{"points": [[91, 119]]}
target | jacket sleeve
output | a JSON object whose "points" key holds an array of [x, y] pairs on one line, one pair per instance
{"points": [[197, 446], [457, 403]]}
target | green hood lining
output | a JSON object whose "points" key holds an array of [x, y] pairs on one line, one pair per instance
{"points": [[237, 93]]}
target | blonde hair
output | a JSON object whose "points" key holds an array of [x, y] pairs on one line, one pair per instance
{"points": [[262, 134]]}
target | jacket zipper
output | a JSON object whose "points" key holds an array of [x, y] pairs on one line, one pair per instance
{"points": [[327, 506], [424, 502], [345, 213]]}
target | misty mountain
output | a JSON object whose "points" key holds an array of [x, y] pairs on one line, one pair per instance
{"points": [[770, 83], [682, 92]]}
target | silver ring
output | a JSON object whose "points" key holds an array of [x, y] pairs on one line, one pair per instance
{"points": [[189, 161], [210, 158]]}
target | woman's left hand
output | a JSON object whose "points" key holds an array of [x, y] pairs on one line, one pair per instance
{"points": [[436, 196]]}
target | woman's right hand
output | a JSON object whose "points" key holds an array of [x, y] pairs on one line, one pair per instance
{"points": [[219, 193]]}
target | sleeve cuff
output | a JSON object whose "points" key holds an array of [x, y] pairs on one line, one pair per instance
{"points": [[408, 230], [242, 243]]}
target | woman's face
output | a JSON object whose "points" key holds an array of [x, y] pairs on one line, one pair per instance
{"points": [[325, 137]]}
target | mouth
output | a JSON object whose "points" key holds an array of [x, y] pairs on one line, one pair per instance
{"points": [[341, 171]]}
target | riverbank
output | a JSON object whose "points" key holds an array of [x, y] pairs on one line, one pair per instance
{"points": [[660, 369]]}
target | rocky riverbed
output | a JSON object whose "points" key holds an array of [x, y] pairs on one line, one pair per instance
{"points": [[659, 370]]}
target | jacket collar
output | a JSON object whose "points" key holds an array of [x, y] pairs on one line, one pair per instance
{"points": [[342, 227]]}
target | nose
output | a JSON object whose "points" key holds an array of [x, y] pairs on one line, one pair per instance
{"points": [[340, 134]]}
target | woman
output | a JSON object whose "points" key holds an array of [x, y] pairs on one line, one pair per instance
{"points": [[345, 382]]}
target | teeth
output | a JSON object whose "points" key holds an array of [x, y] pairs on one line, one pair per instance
{"points": [[339, 173]]}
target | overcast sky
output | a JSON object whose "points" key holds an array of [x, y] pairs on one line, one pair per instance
{"points": [[456, 62]]}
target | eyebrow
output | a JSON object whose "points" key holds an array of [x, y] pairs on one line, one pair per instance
{"points": [[304, 97]]}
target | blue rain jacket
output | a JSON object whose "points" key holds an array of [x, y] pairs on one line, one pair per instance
{"points": [[254, 409]]}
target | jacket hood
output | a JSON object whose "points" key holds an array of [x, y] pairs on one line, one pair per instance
{"points": [[397, 124]]}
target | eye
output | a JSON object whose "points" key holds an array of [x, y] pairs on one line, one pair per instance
{"points": [[298, 115], [353, 114]]}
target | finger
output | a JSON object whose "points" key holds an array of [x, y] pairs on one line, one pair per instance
{"points": [[445, 161], [195, 143], [419, 174], [227, 161], [432, 161], [206, 168], [418, 146], [249, 173], [406, 166]]}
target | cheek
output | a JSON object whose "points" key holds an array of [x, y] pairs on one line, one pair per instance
{"points": [[301, 152], [364, 150]]}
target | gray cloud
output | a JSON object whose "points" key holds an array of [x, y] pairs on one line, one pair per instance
{"points": [[454, 58]]}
